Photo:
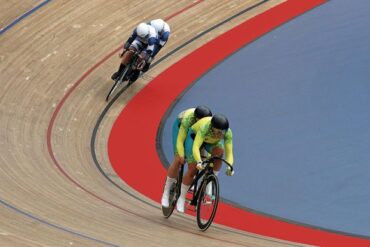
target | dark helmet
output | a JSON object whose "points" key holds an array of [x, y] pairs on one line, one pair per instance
{"points": [[202, 111], [219, 121]]}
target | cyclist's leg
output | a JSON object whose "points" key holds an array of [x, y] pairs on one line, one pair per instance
{"points": [[151, 58], [147, 65], [157, 48], [192, 170], [215, 150], [189, 176], [134, 75], [166, 192], [173, 169], [124, 61], [186, 182], [126, 58]]}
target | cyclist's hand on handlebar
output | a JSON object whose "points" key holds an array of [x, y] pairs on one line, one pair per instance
{"points": [[200, 166], [229, 171]]}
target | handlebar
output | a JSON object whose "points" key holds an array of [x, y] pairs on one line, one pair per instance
{"points": [[213, 158]]}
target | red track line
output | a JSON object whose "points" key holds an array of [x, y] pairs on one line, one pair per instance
{"points": [[183, 10]]}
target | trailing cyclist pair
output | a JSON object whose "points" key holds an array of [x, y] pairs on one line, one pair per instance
{"points": [[196, 131], [146, 40]]}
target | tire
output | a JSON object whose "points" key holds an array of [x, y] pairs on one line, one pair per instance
{"points": [[120, 79], [207, 204], [172, 199], [115, 85]]}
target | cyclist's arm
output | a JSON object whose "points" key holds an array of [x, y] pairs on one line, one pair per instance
{"points": [[150, 48], [164, 38], [198, 141], [130, 40], [180, 141], [165, 35], [157, 48], [229, 147], [161, 42]]}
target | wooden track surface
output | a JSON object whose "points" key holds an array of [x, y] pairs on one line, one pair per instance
{"points": [[62, 199], [11, 10]]}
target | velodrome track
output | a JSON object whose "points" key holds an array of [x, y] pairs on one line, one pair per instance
{"points": [[55, 69]]}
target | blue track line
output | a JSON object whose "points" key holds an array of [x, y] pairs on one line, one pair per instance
{"points": [[3, 30], [56, 226]]}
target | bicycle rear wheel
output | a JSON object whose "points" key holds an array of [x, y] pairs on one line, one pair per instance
{"points": [[172, 201], [207, 202]]}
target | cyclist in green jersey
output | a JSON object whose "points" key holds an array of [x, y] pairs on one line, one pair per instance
{"points": [[214, 135], [179, 132]]}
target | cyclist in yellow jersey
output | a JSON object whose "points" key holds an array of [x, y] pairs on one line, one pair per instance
{"points": [[179, 132], [213, 134]]}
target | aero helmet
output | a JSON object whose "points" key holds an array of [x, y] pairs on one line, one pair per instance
{"points": [[202, 111], [158, 25], [219, 121], [142, 30]]}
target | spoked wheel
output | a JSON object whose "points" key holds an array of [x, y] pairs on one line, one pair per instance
{"points": [[172, 199], [207, 202]]}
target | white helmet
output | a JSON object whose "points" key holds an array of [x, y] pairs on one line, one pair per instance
{"points": [[142, 30], [158, 25]]}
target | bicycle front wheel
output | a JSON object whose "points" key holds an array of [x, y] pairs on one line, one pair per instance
{"points": [[207, 202], [115, 85], [118, 82]]}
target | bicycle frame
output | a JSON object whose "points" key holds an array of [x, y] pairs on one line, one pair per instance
{"points": [[206, 175], [194, 184], [201, 175], [131, 66]]}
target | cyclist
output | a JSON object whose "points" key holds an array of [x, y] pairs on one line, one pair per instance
{"points": [[179, 132], [163, 31], [214, 134], [143, 39]]}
